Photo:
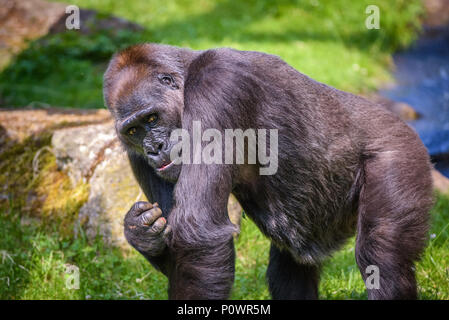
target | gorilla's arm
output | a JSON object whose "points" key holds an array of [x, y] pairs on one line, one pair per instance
{"points": [[202, 242], [155, 188], [199, 260]]}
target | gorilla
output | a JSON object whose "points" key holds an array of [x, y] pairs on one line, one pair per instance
{"points": [[345, 166]]}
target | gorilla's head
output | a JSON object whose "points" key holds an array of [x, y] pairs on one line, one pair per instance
{"points": [[144, 90]]}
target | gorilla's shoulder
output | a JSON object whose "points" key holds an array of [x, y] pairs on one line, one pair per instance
{"points": [[232, 56], [222, 62]]}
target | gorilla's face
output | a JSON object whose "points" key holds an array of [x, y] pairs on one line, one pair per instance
{"points": [[147, 131], [147, 103]]}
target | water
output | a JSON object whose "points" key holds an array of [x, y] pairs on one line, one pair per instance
{"points": [[422, 75]]}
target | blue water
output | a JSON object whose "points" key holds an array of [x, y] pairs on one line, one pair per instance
{"points": [[422, 75]]}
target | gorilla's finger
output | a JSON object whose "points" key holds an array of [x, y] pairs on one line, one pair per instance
{"points": [[148, 217], [158, 226], [167, 232], [140, 207]]}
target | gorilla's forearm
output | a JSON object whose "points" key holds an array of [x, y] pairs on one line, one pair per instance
{"points": [[160, 262], [201, 244], [202, 273]]}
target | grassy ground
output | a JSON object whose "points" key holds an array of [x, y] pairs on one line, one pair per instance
{"points": [[325, 39], [32, 265]]}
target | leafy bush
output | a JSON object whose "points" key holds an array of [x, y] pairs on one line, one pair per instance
{"points": [[64, 69]]}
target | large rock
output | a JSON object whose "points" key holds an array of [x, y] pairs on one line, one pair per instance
{"points": [[19, 124], [113, 190], [87, 150], [405, 111], [92, 154], [79, 150], [437, 13], [24, 20], [440, 182]]}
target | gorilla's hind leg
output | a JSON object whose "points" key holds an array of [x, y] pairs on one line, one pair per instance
{"points": [[288, 280], [392, 225]]}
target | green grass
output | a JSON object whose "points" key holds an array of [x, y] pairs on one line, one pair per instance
{"points": [[325, 39], [33, 263], [32, 260], [341, 278]]}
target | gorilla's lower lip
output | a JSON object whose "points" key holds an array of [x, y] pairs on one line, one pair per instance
{"points": [[165, 166]]}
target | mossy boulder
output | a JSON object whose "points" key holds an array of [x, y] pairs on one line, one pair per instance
{"points": [[79, 150], [30, 182], [91, 154], [113, 190]]}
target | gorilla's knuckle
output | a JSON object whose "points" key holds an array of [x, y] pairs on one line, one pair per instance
{"points": [[149, 216], [159, 225], [145, 219], [154, 230], [140, 206]]}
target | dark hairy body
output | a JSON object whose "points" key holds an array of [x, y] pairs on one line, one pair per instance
{"points": [[344, 165]]}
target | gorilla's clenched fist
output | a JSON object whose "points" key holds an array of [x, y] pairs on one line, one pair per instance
{"points": [[146, 229]]}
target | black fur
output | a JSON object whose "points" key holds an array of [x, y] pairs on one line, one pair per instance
{"points": [[344, 164]]}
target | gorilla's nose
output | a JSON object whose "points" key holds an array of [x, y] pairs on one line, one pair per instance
{"points": [[155, 150]]}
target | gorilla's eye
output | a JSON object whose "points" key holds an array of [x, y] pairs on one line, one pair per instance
{"points": [[166, 79], [152, 119], [132, 131]]}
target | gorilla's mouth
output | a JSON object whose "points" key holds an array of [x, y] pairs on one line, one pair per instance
{"points": [[165, 166], [168, 163]]}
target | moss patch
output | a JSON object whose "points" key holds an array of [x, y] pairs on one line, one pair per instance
{"points": [[33, 185]]}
